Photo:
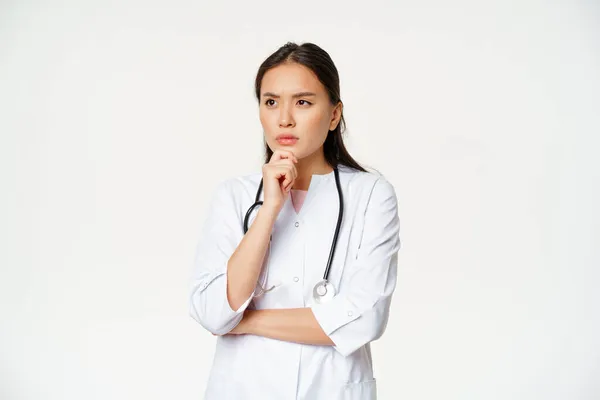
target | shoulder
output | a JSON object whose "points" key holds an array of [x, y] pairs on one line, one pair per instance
{"points": [[238, 189], [370, 182]]}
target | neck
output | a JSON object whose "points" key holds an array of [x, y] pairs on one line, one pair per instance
{"points": [[314, 164]]}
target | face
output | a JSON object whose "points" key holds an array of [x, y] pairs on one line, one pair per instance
{"points": [[294, 105]]}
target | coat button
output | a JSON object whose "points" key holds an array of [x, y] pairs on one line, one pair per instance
{"points": [[296, 279], [297, 224], [350, 313]]}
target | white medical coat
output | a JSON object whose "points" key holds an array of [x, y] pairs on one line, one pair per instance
{"points": [[363, 271]]}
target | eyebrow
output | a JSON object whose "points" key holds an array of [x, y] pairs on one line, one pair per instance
{"points": [[296, 95]]}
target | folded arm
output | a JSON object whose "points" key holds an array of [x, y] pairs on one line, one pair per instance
{"points": [[297, 325], [358, 314], [227, 262]]}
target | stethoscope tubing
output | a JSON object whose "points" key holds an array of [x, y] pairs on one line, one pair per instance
{"points": [[258, 202]]}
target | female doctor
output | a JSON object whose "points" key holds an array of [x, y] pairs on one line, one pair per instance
{"points": [[296, 287]]}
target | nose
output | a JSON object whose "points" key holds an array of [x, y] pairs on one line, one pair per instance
{"points": [[286, 118]]}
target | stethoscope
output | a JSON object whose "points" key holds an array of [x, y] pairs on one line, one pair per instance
{"points": [[323, 290]]}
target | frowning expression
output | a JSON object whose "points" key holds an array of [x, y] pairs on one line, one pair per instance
{"points": [[295, 110]]}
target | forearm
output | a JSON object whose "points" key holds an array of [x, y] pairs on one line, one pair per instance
{"points": [[297, 325], [245, 264]]}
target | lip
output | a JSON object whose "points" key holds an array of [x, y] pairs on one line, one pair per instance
{"points": [[285, 136], [286, 139]]}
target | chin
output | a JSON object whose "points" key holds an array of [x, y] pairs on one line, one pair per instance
{"points": [[294, 149]]}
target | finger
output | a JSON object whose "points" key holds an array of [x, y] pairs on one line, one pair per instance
{"points": [[286, 184], [280, 153], [283, 154], [290, 164], [289, 178], [293, 170], [283, 172], [283, 177], [292, 159], [294, 173], [286, 161]]}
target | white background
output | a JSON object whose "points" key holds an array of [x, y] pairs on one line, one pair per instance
{"points": [[117, 120]]}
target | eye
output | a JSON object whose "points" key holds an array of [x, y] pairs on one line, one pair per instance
{"points": [[268, 100], [307, 102]]}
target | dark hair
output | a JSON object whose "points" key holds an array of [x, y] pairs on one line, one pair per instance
{"points": [[316, 59]]}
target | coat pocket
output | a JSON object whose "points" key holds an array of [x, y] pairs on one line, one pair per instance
{"points": [[365, 390]]}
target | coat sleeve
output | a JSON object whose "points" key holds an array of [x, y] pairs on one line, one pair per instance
{"points": [[220, 235], [358, 314]]}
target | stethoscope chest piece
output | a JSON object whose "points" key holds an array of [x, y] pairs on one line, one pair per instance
{"points": [[323, 291]]}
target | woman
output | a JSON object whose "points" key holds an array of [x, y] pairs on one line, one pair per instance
{"points": [[279, 336]]}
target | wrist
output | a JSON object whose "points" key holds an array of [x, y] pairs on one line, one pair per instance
{"points": [[250, 322], [268, 212]]}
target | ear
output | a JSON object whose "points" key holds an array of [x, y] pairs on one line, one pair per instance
{"points": [[336, 115]]}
